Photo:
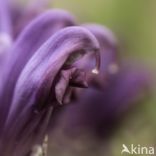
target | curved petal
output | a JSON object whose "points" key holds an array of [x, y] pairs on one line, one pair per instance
{"points": [[25, 14], [34, 88], [108, 44], [109, 55], [28, 42]]}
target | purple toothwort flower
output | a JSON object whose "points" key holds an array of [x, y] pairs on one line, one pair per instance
{"points": [[25, 46], [109, 57], [117, 88], [36, 76], [46, 62]]}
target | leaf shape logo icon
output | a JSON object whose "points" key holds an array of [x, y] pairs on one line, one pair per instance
{"points": [[125, 149]]}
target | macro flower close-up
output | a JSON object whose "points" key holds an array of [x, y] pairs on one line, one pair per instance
{"points": [[66, 86]]}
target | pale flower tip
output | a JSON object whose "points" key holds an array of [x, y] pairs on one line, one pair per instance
{"points": [[95, 71], [98, 62], [36, 151]]}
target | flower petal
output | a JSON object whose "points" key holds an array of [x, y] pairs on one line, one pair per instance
{"points": [[109, 55], [28, 42], [5, 21], [34, 88], [108, 44]]}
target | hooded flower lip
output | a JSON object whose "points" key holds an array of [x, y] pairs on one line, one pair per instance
{"points": [[104, 35], [108, 45], [34, 88], [32, 37], [45, 64], [109, 55], [100, 108]]}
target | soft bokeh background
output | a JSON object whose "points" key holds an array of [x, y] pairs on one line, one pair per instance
{"points": [[134, 23]]}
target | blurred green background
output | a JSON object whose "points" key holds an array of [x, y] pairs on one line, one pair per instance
{"points": [[134, 22]]}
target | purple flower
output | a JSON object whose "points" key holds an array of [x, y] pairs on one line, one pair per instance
{"points": [[22, 15], [37, 75], [109, 57], [25, 46], [117, 88], [44, 59]]}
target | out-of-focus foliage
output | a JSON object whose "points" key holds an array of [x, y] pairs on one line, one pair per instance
{"points": [[134, 23]]}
